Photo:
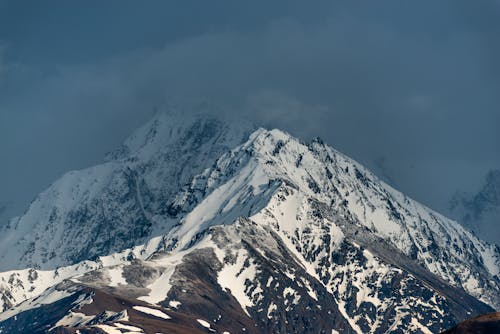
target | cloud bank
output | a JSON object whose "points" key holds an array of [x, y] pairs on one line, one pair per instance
{"points": [[410, 90]]}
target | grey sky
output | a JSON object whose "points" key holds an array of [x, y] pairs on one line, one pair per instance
{"points": [[410, 89]]}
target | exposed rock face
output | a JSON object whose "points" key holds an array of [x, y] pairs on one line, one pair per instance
{"points": [[484, 324], [216, 229]]}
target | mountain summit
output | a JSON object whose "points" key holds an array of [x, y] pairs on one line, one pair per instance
{"points": [[121, 203], [198, 225]]}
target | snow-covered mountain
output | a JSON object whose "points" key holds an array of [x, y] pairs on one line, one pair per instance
{"points": [[118, 204], [196, 225]]}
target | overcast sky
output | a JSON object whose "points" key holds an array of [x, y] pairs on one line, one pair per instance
{"points": [[409, 88]]}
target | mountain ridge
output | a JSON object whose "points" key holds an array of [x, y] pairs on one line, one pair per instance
{"points": [[78, 194], [288, 188]]}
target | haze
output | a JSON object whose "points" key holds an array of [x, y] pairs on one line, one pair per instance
{"points": [[410, 89]]}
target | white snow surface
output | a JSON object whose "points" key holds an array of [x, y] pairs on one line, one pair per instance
{"points": [[204, 323], [152, 311], [116, 277], [118, 328], [234, 277], [48, 297]]}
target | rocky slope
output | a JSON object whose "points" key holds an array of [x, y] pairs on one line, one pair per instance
{"points": [[484, 324], [223, 229]]}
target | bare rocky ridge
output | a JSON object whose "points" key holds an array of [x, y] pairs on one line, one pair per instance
{"points": [[484, 324]]}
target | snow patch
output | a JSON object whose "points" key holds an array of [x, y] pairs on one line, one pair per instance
{"points": [[115, 276], [236, 276], [152, 311]]}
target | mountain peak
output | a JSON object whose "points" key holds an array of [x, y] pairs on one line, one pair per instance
{"points": [[120, 203], [192, 199], [179, 126]]}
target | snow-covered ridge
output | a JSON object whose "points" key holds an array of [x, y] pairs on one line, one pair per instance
{"points": [[443, 246], [158, 196], [440, 244], [121, 203]]}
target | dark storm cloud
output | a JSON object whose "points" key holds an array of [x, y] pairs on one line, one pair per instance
{"points": [[411, 85]]}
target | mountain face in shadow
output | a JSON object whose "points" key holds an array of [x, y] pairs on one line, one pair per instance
{"points": [[483, 324], [481, 211]]}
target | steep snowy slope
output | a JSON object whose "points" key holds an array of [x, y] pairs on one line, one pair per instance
{"points": [[247, 277], [275, 234], [121, 203], [319, 172]]}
